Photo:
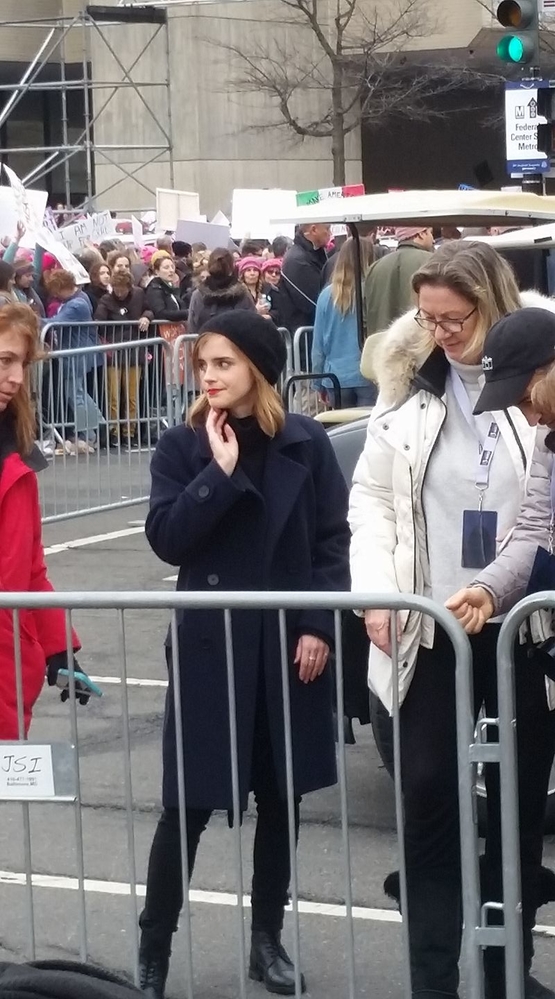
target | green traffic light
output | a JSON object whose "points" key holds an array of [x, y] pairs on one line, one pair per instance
{"points": [[511, 48]]}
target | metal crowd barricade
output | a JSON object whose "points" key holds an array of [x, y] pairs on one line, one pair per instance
{"points": [[185, 386], [301, 396], [69, 788], [302, 349], [100, 410], [512, 907]]}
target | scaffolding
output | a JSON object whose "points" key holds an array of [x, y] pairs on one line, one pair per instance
{"points": [[94, 25]]}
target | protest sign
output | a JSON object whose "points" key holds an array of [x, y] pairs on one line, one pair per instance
{"points": [[137, 230], [252, 209], [213, 236], [33, 221], [90, 229], [10, 213], [174, 205], [327, 194], [220, 219]]}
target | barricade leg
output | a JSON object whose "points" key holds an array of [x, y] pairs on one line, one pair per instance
{"points": [[342, 767], [237, 815], [290, 800]]}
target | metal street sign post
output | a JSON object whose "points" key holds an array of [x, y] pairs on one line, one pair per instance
{"points": [[521, 123]]}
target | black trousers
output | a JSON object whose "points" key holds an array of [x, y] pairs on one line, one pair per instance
{"points": [[271, 860], [429, 776]]}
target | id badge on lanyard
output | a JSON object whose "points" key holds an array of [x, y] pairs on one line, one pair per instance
{"points": [[479, 527]]}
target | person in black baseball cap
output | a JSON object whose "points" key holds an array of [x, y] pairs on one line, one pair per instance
{"points": [[517, 350], [245, 497]]}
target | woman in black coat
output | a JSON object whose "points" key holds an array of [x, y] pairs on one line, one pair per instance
{"points": [[244, 498], [162, 296]]}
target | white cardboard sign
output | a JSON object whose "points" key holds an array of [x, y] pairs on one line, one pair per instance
{"points": [[33, 220], [252, 209], [25, 771], [90, 229], [12, 212], [174, 205], [137, 230], [213, 236]]}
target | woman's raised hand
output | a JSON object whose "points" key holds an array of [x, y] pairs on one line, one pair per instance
{"points": [[222, 440]]}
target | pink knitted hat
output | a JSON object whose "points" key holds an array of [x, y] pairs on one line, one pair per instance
{"points": [[247, 262]]}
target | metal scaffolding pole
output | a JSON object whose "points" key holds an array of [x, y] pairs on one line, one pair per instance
{"points": [[93, 22]]}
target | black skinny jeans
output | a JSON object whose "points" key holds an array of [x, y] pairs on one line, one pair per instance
{"points": [[271, 860], [429, 775]]}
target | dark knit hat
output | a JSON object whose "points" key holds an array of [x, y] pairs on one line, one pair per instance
{"points": [[256, 337]]}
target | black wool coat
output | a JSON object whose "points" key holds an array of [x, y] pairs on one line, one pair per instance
{"points": [[300, 283], [164, 302], [226, 535]]}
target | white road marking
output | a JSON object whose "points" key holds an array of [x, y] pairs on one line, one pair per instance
{"points": [[204, 897], [131, 681], [93, 539], [214, 898], [366, 913], [170, 579]]}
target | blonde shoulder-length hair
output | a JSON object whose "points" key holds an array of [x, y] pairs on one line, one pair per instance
{"points": [[21, 320], [476, 272], [268, 408], [345, 275]]}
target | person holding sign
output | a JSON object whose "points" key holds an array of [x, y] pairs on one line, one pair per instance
{"points": [[434, 490], [41, 635]]}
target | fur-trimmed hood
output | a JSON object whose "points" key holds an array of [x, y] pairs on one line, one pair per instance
{"points": [[393, 358], [226, 297]]}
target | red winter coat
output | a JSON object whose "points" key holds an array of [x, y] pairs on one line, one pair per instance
{"points": [[22, 569]]}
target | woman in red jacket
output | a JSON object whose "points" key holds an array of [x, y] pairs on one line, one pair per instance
{"points": [[22, 568]]}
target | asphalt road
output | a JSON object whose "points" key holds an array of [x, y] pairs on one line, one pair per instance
{"points": [[126, 563]]}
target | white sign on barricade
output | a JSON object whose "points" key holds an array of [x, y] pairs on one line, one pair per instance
{"points": [[26, 771]]}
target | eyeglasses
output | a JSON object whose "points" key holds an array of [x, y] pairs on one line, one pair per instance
{"points": [[447, 325]]}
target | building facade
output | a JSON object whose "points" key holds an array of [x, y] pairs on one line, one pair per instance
{"points": [[221, 137]]}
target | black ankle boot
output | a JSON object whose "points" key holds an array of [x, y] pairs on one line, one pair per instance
{"points": [[270, 963], [153, 972]]}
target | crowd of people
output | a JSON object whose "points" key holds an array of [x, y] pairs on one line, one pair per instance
{"points": [[177, 287], [451, 499]]}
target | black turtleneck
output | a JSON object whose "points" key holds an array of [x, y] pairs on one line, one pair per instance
{"points": [[253, 446]]}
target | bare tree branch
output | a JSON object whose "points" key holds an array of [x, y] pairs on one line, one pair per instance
{"points": [[345, 64]]}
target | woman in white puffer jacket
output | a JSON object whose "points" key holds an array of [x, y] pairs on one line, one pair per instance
{"points": [[428, 468]]}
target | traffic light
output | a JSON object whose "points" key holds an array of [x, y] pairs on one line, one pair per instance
{"points": [[520, 45]]}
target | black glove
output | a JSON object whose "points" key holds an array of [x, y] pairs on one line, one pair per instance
{"points": [[60, 660]]}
